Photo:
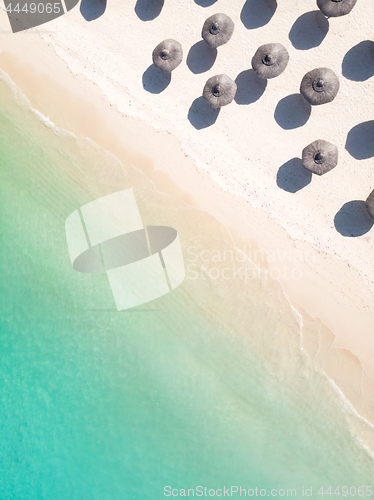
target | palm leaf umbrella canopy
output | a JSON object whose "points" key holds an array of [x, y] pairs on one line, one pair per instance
{"points": [[319, 86], [320, 157], [270, 60], [336, 8], [370, 204], [219, 91], [167, 55], [217, 30]]}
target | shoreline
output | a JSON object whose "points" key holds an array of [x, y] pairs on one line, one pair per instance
{"points": [[347, 304]]}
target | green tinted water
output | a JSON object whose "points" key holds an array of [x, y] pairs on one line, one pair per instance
{"points": [[97, 404]]}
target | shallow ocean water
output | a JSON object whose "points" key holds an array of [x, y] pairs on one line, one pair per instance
{"points": [[206, 386]]}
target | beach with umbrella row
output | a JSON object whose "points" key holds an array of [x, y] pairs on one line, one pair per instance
{"points": [[318, 86], [240, 164]]}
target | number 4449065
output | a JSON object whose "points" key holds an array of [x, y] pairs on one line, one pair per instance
{"points": [[345, 491], [34, 8]]}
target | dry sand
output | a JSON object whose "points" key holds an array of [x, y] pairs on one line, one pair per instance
{"points": [[93, 78]]}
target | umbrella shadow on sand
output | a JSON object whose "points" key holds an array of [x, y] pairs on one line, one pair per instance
{"points": [[250, 87], [353, 220], [201, 57], [358, 63], [92, 9], [360, 141], [292, 176], [292, 112], [205, 3], [154, 80], [257, 13], [147, 10], [201, 115], [309, 30]]}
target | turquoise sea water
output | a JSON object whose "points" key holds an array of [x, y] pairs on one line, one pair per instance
{"points": [[99, 404]]}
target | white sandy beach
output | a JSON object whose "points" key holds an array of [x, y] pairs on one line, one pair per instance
{"points": [[87, 77]]}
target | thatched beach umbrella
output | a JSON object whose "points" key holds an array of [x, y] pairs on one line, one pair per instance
{"points": [[336, 8], [320, 157], [270, 60], [219, 91], [167, 55], [370, 204], [217, 30], [319, 86]]}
